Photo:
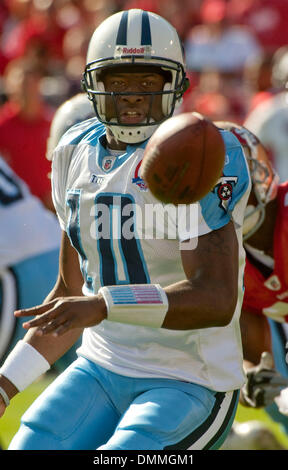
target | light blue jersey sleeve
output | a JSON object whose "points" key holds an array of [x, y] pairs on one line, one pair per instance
{"points": [[221, 204]]}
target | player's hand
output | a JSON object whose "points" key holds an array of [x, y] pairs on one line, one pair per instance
{"points": [[263, 383], [63, 314]]}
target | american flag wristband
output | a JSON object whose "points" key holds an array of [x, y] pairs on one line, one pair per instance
{"points": [[136, 304]]}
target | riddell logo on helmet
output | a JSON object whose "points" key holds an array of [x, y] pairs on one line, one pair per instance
{"points": [[142, 50], [133, 50]]}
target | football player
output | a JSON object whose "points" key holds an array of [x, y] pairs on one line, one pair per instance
{"points": [[160, 365], [265, 305], [29, 250], [30, 236]]}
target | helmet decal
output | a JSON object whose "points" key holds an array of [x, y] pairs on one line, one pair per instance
{"points": [[146, 30], [122, 31]]}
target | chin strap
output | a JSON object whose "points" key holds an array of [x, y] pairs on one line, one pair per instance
{"points": [[132, 135]]}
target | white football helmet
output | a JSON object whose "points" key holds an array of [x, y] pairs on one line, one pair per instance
{"points": [[135, 37], [76, 109], [264, 178]]}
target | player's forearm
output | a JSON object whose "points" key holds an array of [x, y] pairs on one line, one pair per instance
{"points": [[183, 306], [61, 289], [49, 347], [198, 304], [52, 348]]}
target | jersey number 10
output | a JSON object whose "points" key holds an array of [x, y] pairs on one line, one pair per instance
{"points": [[110, 251]]}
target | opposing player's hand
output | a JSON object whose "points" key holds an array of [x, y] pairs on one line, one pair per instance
{"points": [[263, 383], [63, 314]]}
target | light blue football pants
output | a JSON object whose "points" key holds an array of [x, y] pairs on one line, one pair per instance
{"points": [[88, 407]]}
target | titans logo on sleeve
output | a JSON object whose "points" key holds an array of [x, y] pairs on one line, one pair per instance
{"points": [[224, 190]]}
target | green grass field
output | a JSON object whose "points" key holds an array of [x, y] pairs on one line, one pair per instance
{"points": [[9, 423], [247, 414]]}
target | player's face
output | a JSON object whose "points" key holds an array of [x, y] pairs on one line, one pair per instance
{"points": [[133, 108]]}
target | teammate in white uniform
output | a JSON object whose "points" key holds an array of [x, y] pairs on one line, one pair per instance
{"points": [[30, 238], [160, 364], [29, 252]]}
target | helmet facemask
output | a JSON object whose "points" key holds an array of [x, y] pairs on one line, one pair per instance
{"points": [[171, 95]]}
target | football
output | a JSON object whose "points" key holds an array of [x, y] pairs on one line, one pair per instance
{"points": [[183, 159]]}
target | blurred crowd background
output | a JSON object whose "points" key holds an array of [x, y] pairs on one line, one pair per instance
{"points": [[236, 55]]}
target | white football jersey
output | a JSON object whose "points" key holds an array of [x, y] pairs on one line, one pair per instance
{"points": [[27, 228], [123, 235]]}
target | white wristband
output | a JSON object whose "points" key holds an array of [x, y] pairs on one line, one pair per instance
{"points": [[24, 365], [137, 304]]}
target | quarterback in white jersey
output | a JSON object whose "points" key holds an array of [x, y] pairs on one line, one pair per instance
{"points": [[159, 289], [109, 216]]}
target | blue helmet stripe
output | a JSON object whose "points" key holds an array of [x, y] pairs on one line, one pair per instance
{"points": [[146, 30], [122, 31]]}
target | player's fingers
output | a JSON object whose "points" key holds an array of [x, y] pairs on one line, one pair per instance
{"points": [[63, 328], [271, 394], [270, 377], [52, 326], [55, 329], [36, 310], [45, 318], [279, 382]]}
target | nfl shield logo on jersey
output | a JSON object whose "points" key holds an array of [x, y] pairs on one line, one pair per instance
{"points": [[108, 162]]}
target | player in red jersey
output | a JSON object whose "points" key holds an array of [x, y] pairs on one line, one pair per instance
{"points": [[264, 318]]}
